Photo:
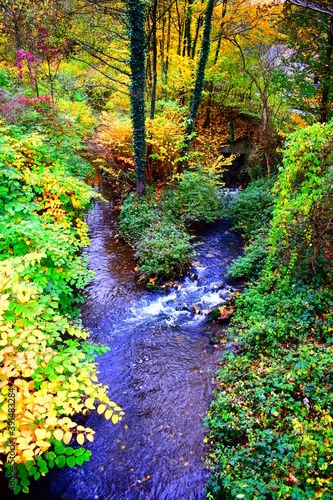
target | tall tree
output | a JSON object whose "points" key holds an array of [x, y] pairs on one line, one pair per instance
{"points": [[137, 89], [200, 78], [322, 6], [327, 74], [154, 47]]}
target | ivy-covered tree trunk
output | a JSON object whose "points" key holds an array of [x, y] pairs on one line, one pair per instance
{"points": [[200, 79], [137, 90], [154, 44], [327, 77], [211, 84]]}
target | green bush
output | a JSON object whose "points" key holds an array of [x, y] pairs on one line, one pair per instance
{"points": [[156, 223], [252, 208], [271, 426], [164, 248], [194, 197]]}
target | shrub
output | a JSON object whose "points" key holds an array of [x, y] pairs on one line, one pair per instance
{"points": [[156, 223], [164, 249], [302, 228], [113, 141], [195, 197], [271, 426], [251, 211], [252, 208]]}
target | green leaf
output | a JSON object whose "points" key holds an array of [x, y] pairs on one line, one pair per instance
{"points": [[79, 451], [79, 460], [71, 461], [32, 471], [60, 461]]}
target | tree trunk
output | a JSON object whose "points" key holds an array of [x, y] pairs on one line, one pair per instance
{"points": [[137, 91], [327, 76], [199, 83], [162, 47], [187, 35], [149, 77], [224, 11], [211, 85], [180, 31], [168, 44], [154, 43], [265, 132], [199, 24]]}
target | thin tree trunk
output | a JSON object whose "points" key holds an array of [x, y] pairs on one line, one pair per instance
{"points": [[327, 75], [187, 34], [162, 46], [154, 43], [148, 63], [199, 24], [200, 79], [265, 132], [137, 90], [168, 44], [224, 11], [179, 29]]}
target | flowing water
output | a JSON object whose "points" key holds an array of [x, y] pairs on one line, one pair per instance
{"points": [[158, 368]]}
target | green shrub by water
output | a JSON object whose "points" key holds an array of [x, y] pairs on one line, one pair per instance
{"points": [[156, 224]]}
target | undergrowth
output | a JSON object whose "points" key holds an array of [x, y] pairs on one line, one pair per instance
{"points": [[271, 420], [157, 223]]}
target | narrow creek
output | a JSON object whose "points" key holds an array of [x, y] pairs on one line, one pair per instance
{"points": [[159, 368]]}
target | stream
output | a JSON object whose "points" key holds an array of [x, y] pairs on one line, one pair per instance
{"points": [[158, 369]]}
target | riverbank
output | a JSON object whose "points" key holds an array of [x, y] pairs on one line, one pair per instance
{"points": [[271, 419]]}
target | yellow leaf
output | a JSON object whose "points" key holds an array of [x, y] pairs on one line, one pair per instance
{"points": [[40, 434], [185, 464], [101, 409], [90, 437], [58, 434], [67, 437], [51, 421], [80, 439], [71, 425], [90, 403], [115, 418], [108, 414]]}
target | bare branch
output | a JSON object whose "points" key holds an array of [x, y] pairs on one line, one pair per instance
{"points": [[310, 6]]}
